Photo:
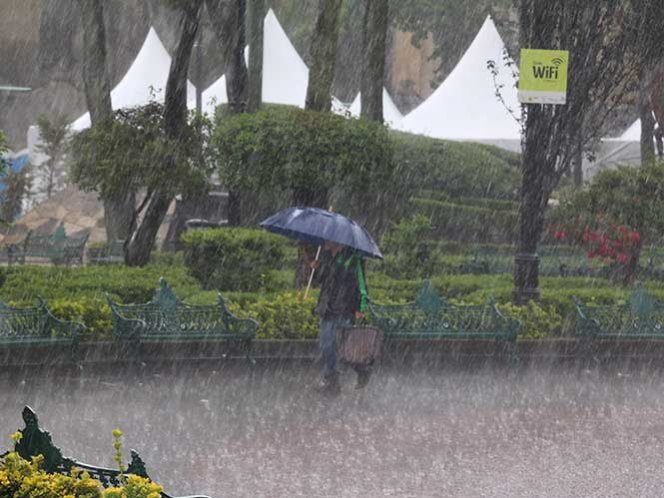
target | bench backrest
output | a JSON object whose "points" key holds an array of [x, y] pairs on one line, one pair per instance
{"points": [[166, 314], [641, 315], [23, 322], [431, 313]]}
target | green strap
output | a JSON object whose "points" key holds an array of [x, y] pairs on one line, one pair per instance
{"points": [[364, 297]]}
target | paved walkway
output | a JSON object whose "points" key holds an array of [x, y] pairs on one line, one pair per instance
{"points": [[465, 433]]}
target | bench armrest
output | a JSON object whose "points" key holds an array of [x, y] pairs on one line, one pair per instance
{"points": [[512, 322], [580, 308], [70, 328]]}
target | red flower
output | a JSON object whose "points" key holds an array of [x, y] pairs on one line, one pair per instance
{"points": [[559, 234], [622, 258]]}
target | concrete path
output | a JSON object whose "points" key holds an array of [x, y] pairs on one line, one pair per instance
{"points": [[416, 432]]}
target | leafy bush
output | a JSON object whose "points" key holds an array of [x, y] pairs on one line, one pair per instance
{"points": [[283, 316], [132, 285], [456, 168], [284, 148], [233, 259]]}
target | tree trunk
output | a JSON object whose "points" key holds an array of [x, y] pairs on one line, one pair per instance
{"points": [[228, 22], [95, 73], [117, 213], [647, 120], [323, 56], [376, 13], [175, 118], [117, 217], [256, 17], [577, 160]]}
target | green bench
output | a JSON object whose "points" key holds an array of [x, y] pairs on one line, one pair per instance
{"points": [[37, 327], [35, 441], [165, 318], [430, 317], [640, 318], [58, 248], [111, 253]]}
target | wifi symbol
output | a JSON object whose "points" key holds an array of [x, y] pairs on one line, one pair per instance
{"points": [[557, 61]]}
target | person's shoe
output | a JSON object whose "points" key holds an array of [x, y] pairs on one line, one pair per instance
{"points": [[363, 378], [329, 386]]}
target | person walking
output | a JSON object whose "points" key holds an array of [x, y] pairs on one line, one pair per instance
{"points": [[343, 299]]}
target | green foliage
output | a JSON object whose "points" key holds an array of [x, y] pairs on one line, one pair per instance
{"points": [[234, 259], [459, 169], [627, 196], [289, 149], [3, 142], [17, 186], [408, 248], [483, 202], [538, 321], [131, 152], [23, 284], [283, 316], [467, 222], [20, 478]]}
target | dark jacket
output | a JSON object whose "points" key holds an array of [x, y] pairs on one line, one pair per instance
{"points": [[340, 296]]}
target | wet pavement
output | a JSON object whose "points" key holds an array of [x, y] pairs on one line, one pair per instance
{"points": [[419, 431]]}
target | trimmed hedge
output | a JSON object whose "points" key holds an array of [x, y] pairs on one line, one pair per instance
{"points": [[233, 259], [468, 223], [78, 294], [460, 169], [483, 202]]}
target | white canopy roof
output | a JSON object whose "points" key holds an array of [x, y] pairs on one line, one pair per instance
{"points": [[465, 106], [148, 71], [391, 113], [285, 75], [633, 133]]}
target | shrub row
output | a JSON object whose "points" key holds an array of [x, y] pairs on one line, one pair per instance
{"points": [[468, 223], [238, 259], [78, 294]]}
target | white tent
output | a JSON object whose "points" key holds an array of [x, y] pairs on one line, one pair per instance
{"points": [[633, 133], [465, 106], [391, 113], [148, 73], [285, 75]]}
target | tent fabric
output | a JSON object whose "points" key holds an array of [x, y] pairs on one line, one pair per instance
{"points": [[391, 113], [285, 75], [148, 73], [465, 105], [633, 133]]}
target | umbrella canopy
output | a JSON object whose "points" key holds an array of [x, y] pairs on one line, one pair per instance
{"points": [[316, 225]]}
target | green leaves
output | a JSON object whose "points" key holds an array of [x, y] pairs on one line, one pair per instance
{"points": [[130, 152], [286, 148]]}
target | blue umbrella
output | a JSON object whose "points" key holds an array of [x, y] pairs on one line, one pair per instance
{"points": [[316, 225]]}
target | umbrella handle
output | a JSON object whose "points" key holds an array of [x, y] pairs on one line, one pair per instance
{"points": [[311, 275]]}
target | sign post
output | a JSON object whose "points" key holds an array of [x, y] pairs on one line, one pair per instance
{"points": [[543, 76]]}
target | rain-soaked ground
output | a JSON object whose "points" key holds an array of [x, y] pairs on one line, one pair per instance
{"points": [[414, 432]]}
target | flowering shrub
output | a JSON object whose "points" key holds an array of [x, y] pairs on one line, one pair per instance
{"points": [[20, 478], [616, 245]]}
